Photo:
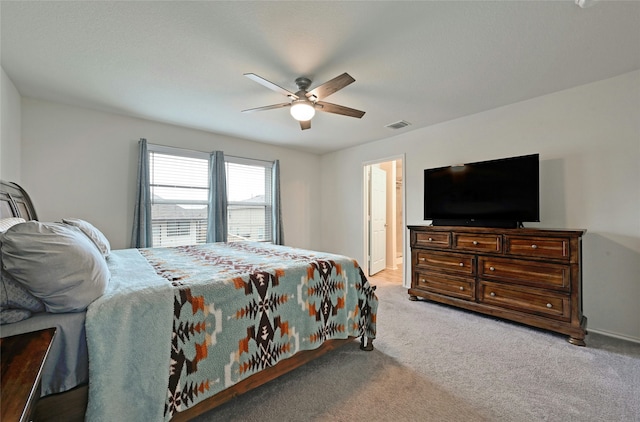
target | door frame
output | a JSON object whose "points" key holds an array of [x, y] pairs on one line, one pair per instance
{"points": [[378, 181], [365, 215]]}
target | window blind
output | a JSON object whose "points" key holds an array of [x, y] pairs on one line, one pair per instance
{"points": [[249, 199], [179, 191], [179, 182]]}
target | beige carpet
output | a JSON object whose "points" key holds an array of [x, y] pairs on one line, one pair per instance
{"points": [[436, 363]]}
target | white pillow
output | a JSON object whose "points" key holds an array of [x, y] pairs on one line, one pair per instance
{"points": [[7, 223], [57, 263], [92, 232]]}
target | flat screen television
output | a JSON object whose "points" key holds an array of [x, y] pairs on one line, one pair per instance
{"points": [[495, 193]]}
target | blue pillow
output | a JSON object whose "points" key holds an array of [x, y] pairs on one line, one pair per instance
{"points": [[16, 303], [9, 316]]}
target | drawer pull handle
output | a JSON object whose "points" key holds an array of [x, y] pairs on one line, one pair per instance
{"points": [[430, 239], [492, 268], [534, 246], [421, 259], [422, 280], [461, 264], [549, 305], [461, 288], [475, 242], [492, 294]]}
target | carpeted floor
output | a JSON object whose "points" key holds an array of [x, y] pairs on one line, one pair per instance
{"points": [[437, 363]]}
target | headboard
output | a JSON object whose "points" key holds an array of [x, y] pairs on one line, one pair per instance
{"points": [[15, 202]]}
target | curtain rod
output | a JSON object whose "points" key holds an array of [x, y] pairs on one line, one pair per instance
{"points": [[247, 158]]}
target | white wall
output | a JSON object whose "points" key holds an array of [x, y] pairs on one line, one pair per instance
{"points": [[82, 163], [77, 162], [10, 126], [589, 143]]}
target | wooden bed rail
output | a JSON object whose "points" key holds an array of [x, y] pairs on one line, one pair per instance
{"points": [[71, 405]]}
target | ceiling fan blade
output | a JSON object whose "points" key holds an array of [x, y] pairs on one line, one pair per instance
{"points": [[262, 81], [331, 86], [269, 107], [305, 125], [338, 109]]}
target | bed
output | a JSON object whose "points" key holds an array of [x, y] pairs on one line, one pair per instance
{"points": [[169, 333]]}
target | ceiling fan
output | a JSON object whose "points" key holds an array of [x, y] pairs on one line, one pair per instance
{"points": [[303, 104]]}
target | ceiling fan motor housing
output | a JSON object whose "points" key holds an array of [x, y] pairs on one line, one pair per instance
{"points": [[303, 83]]}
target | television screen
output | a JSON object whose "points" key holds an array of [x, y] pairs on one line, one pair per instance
{"points": [[498, 193]]}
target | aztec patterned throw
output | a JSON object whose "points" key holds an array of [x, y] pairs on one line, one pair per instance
{"points": [[237, 309]]}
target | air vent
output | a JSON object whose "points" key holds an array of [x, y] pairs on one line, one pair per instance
{"points": [[398, 125]]}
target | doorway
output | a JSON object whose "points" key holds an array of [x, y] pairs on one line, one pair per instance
{"points": [[384, 234]]}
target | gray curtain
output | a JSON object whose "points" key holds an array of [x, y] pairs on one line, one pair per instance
{"points": [[141, 236], [217, 221], [278, 232]]}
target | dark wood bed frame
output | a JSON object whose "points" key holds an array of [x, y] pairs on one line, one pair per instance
{"points": [[71, 405], [15, 202]]}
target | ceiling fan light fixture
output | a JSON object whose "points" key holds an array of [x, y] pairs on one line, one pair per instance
{"points": [[303, 104], [302, 110]]}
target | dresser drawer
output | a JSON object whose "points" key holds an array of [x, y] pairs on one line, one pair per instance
{"points": [[538, 274], [477, 242], [448, 285], [437, 240], [542, 247], [528, 275], [530, 300], [460, 264]]}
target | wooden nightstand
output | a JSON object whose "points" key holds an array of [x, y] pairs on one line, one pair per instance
{"points": [[23, 357]]}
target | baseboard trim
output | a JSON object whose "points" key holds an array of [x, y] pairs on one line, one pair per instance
{"points": [[614, 335]]}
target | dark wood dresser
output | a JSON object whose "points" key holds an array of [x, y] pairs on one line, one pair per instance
{"points": [[531, 276]]}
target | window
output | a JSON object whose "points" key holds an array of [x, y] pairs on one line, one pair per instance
{"points": [[248, 199], [179, 182]]}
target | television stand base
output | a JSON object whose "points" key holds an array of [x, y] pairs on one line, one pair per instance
{"points": [[499, 224]]}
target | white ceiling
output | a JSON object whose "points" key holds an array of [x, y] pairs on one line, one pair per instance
{"points": [[424, 62]]}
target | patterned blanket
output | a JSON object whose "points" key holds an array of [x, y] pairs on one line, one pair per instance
{"points": [[234, 310]]}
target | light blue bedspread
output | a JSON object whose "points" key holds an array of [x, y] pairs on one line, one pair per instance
{"points": [[178, 325]]}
